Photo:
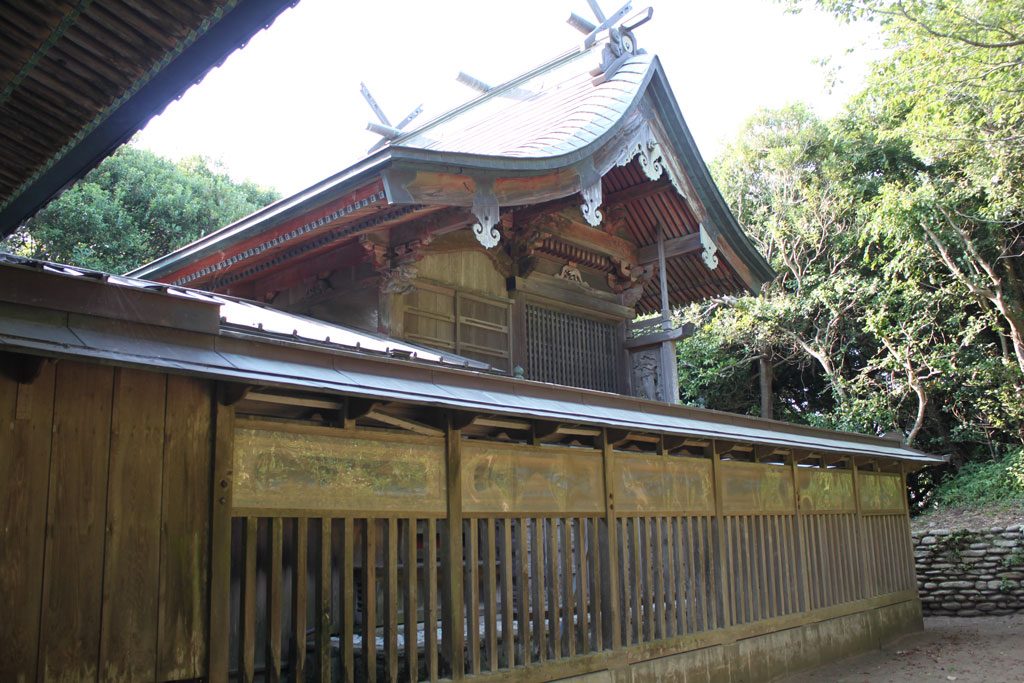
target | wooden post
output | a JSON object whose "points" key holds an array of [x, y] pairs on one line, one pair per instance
{"points": [[220, 543], [862, 569], [454, 607], [610, 587], [801, 547], [667, 349], [724, 584]]}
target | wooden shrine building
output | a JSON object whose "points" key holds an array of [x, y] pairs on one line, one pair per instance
{"points": [[404, 425]]}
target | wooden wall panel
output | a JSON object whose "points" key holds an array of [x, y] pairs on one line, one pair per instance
{"points": [[132, 563], [527, 479], [73, 565], [824, 490], [354, 471], [881, 492], [184, 542], [26, 413], [650, 483], [752, 488]]}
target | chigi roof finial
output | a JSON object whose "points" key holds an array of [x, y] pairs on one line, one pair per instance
{"points": [[621, 38], [384, 128]]}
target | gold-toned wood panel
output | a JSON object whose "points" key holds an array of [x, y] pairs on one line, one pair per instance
{"points": [[530, 479], [663, 484], [826, 490], [880, 492], [469, 270], [752, 488], [283, 470]]}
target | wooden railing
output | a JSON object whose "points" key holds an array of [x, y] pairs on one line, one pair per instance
{"points": [[361, 555]]}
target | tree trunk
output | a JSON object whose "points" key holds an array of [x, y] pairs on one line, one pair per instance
{"points": [[767, 375]]}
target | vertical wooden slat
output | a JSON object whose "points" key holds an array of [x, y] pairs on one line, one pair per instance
{"points": [[391, 597], [596, 586], [610, 586], [750, 566], [674, 604], [539, 594], [740, 582], [185, 541], [639, 585], [853, 569], [691, 524], [554, 608], [220, 543], [628, 583], [132, 563], [26, 427], [583, 585], [473, 595], [411, 602], [247, 620], [523, 590], [800, 554], [831, 576], [787, 564], [860, 551], [659, 579], [507, 602], [275, 587], [650, 606], [775, 552], [853, 561], [73, 564], [767, 586], [792, 567], [370, 600], [808, 558], [491, 597], [453, 607], [323, 627], [568, 598], [725, 586], [430, 548], [300, 596], [842, 554], [768, 551], [348, 601]]}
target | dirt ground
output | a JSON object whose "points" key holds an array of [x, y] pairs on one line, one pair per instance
{"points": [[968, 650], [970, 518]]}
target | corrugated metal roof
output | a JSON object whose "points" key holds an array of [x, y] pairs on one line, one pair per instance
{"points": [[247, 317], [267, 356], [546, 113]]}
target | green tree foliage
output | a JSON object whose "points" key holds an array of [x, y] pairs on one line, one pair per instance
{"points": [[897, 230], [134, 207]]}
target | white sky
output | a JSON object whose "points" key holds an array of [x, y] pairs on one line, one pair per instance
{"points": [[286, 111]]}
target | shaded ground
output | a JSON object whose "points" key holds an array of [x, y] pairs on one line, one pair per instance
{"points": [[970, 518], [968, 650]]}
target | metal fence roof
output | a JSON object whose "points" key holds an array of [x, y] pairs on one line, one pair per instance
{"points": [[266, 356]]}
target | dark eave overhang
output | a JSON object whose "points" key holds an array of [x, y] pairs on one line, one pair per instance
{"points": [[142, 101]]}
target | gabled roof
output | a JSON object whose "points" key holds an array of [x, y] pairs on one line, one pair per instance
{"points": [[545, 113], [563, 131], [77, 79]]}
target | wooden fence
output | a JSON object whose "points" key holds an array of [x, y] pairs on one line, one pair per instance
{"points": [[364, 555]]}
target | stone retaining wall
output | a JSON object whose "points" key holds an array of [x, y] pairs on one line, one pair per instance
{"points": [[970, 573]]}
